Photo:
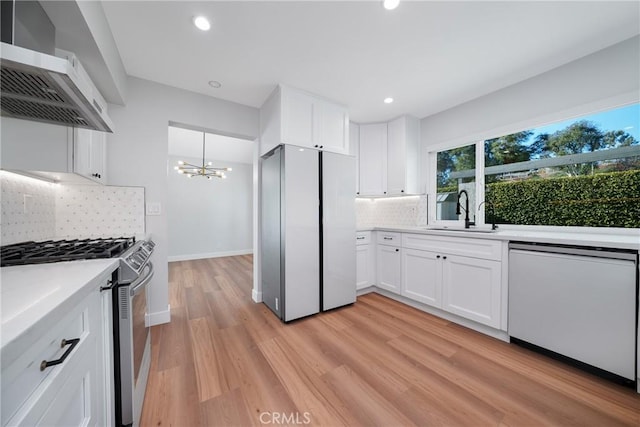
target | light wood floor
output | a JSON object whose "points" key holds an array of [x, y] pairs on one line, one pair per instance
{"points": [[224, 360]]}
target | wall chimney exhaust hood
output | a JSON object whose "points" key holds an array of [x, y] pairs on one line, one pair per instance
{"points": [[39, 86]]}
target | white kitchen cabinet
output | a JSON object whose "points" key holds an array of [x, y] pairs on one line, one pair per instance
{"points": [[71, 393], [388, 261], [292, 116], [89, 154], [471, 288], [422, 276], [365, 260], [372, 159], [403, 149], [354, 148], [460, 275]]}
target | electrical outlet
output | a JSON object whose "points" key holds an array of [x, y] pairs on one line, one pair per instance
{"points": [[154, 208]]}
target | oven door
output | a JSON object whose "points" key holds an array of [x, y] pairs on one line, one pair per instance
{"points": [[134, 349]]}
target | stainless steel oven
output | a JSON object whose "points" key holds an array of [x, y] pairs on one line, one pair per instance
{"points": [[132, 337]]}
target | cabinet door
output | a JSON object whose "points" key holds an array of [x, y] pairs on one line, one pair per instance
{"points": [[389, 265], [373, 159], [396, 156], [471, 288], [298, 118], [334, 127], [421, 276], [363, 266], [89, 154]]}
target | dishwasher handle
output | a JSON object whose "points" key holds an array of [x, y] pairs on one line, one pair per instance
{"points": [[596, 252]]}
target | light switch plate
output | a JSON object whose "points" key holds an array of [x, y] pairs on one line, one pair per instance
{"points": [[154, 208]]}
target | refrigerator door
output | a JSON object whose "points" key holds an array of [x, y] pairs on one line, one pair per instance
{"points": [[338, 230], [301, 232], [271, 232]]}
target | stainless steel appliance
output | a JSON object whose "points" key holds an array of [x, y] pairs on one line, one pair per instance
{"points": [[36, 85], [307, 231], [131, 336], [577, 302]]}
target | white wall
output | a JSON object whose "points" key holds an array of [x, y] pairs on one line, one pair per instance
{"points": [[138, 153], [602, 80], [209, 218]]}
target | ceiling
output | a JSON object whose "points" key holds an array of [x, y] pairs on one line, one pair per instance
{"points": [[429, 56], [188, 143]]}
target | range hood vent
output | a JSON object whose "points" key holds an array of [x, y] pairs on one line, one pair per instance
{"points": [[46, 88]]}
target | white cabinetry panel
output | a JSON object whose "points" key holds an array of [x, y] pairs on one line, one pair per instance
{"points": [[421, 277], [471, 288], [403, 148], [373, 159], [389, 268]]}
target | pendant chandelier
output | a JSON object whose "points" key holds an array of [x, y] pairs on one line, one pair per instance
{"points": [[206, 170]]}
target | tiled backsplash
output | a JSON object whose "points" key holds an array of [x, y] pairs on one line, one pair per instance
{"points": [[38, 210], [28, 209], [99, 211], [408, 211]]}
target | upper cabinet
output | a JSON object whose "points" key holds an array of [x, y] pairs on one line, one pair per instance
{"points": [[389, 157], [403, 149], [372, 158], [354, 147], [54, 152], [89, 154], [291, 116]]}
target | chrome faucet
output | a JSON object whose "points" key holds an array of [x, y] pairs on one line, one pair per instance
{"points": [[467, 222], [493, 215]]}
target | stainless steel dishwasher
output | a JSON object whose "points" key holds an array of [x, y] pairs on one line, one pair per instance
{"points": [[577, 302]]}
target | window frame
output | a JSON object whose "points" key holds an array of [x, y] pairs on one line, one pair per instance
{"points": [[479, 141]]}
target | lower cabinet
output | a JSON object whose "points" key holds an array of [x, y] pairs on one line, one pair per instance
{"points": [[471, 288], [422, 277], [71, 393], [389, 268], [467, 286], [364, 266]]}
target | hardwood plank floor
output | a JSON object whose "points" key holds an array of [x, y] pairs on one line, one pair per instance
{"points": [[226, 361]]}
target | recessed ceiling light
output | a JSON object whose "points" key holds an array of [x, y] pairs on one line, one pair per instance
{"points": [[390, 4], [201, 23], [215, 84], [388, 100]]}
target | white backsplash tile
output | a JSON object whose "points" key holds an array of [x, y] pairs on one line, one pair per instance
{"points": [[408, 211], [66, 211], [28, 209], [89, 211]]}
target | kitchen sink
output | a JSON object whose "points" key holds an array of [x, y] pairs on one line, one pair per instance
{"points": [[462, 229]]}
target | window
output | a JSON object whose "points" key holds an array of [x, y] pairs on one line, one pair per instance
{"points": [[580, 172], [448, 185]]}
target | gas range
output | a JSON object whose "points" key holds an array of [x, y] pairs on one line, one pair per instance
{"points": [[133, 255]]}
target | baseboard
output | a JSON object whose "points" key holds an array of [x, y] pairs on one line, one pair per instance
{"points": [[190, 257], [159, 317], [256, 296]]}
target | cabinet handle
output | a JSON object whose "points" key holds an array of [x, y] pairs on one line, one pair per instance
{"points": [[438, 256], [397, 250], [357, 192], [96, 175], [444, 257], [360, 238], [322, 146], [388, 238], [385, 192], [402, 191], [73, 343], [315, 146]]}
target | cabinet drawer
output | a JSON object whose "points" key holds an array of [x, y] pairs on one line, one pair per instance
{"points": [[471, 247], [363, 237], [22, 378], [389, 238]]}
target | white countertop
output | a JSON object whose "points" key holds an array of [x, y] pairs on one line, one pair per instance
{"points": [[630, 240], [31, 294]]}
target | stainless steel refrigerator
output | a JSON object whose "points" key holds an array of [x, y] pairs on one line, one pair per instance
{"points": [[308, 229]]}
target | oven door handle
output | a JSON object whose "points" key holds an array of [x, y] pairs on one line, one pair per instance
{"points": [[140, 283]]}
